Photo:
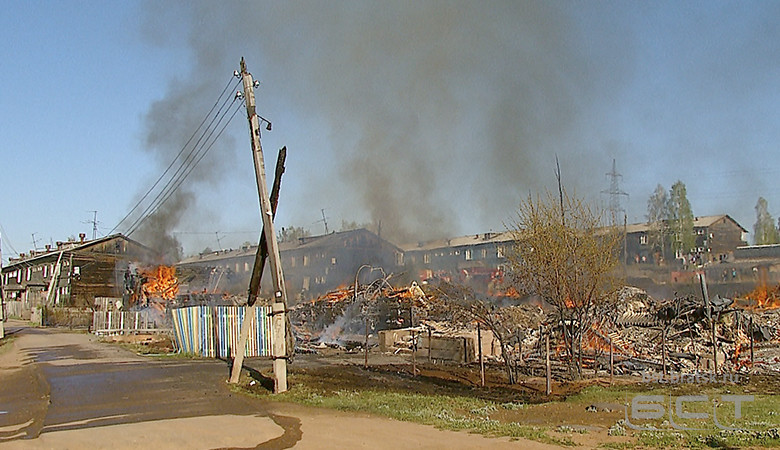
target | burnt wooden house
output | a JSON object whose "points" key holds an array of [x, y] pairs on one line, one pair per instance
{"points": [[312, 265], [74, 272]]}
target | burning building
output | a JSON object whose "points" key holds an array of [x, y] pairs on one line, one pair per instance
{"points": [[72, 273]]}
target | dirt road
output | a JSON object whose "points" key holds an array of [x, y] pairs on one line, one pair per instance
{"points": [[68, 391]]}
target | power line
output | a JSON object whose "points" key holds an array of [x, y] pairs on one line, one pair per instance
{"points": [[181, 174], [183, 164], [178, 155]]}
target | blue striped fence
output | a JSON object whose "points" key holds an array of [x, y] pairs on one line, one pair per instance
{"points": [[214, 331]]}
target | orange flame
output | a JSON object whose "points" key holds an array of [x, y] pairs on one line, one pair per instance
{"points": [[765, 297], [161, 281]]}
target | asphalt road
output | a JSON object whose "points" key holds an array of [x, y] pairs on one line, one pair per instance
{"points": [[68, 390]]}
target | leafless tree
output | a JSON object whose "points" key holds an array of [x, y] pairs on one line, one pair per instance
{"points": [[562, 254]]}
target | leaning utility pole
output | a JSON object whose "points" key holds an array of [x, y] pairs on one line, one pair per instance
{"points": [[279, 305]]}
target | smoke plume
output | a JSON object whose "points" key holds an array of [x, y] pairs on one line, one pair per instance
{"points": [[441, 115]]}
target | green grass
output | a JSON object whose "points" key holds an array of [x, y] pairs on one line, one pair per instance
{"points": [[446, 412], [761, 418]]}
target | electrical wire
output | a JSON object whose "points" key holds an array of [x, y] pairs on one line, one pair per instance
{"points": [[187, 169], [178, 155]]}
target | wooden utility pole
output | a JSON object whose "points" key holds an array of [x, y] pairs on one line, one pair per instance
{"points": [[481, 359], [279, 305]]}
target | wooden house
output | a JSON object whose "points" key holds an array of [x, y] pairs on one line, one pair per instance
{"points": [[73, 273]]}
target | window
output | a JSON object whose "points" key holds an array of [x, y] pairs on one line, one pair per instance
{"points": [[333, 261], [29, 271], [399, 259], [467, 252], [500, 251], [483, 253], [305, 260], [246, 267], [643, 239], [45, 271], [427, 258], [292, 261]]}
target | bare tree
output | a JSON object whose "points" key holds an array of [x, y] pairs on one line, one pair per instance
{"points": [[571, 264]]}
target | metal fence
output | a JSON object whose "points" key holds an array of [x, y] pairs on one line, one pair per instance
{"points": [[214, 331]]}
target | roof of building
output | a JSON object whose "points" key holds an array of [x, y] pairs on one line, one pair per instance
{"points": [[67, 246], [309, 242], [508, 236], [698, 222], [460, 241]]}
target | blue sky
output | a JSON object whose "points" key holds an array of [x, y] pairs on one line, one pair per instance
{"points": [[434, 118]]}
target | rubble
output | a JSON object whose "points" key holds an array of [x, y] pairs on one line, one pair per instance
{"points": [[644, 335]]}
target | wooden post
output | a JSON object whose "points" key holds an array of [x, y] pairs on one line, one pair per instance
{"points": [[752, 360], [481, 359], [365, 346], [714, 344], [711, 314], [279, 306], [430, 344], [663, 350], [414, 354], [262, 249], [611, 362], [548, 387]]}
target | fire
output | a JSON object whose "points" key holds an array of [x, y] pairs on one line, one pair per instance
{"points": [[510, 292], [765, 297], [161, 281]]}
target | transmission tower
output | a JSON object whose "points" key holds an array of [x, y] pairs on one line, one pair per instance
{"points": [[616, 210]]}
